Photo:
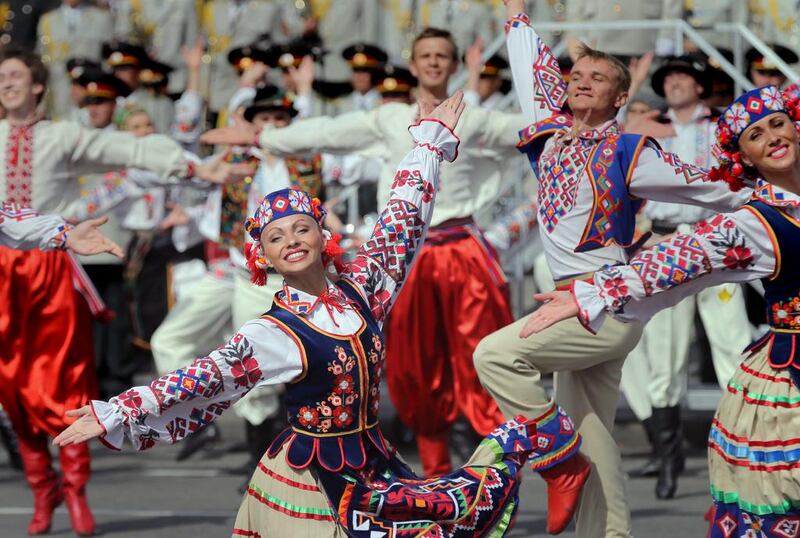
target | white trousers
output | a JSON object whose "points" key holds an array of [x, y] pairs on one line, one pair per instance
{"points": [[205, 318], [655, 373]]}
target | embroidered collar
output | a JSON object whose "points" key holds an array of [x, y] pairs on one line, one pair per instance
{"points": [[303, 304], [774, 195], [609, 128]]}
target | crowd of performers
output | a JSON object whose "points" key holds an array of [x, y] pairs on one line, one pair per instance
{"points": [[313, 335]]}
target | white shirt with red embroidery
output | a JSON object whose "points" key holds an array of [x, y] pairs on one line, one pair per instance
{"points": [[261, 353], [565, 192], [25, 229], [733, 247], [42, 161]]}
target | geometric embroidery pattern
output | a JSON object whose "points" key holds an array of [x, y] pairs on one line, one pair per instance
{"points": [[201, 378], [550, 90], [19, 165], [689, 172], [14, 211], [786, 528], [395, 238], [561, 169], [669, 264], [199, 417]]}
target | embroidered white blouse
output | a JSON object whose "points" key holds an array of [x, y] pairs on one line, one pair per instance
{"points": [[261, 353], [25, 229], [565, 200], [733, 247]]}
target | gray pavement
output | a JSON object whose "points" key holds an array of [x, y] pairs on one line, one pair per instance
{"points": [[148, 494]]}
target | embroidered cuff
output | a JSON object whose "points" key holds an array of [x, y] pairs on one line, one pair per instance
{"points": [[59, 239], [517, 20], [112, 420], [436, 136], [591, 307]]}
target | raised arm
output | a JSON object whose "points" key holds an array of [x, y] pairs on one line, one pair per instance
{"points": [[734, 247], [664, 177], [384, 260], [178, 403], [540, 88]]}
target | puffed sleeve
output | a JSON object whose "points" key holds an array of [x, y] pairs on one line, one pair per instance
{"points": [[384, 260], [734, 247], [25, 229], [178, 403]]}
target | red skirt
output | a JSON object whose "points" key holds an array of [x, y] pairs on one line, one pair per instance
{"points": [[454, 296], [46, 357]]}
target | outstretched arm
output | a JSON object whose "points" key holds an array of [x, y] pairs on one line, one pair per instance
{"points": [[732, 247], [176, 404], [384, 260], [540, 88]]}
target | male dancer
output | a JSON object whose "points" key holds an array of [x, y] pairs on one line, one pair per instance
{"points": [[591, 178], [455, 293], [46, 333]]}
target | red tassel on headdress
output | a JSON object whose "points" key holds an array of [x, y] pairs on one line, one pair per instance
{"points": [[258, 276], [333, 253]]}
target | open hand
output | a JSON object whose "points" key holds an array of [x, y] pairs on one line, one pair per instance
{"points": [[558, 306], [474, 56], [218, 170], [303, 75], [193, 57], [448, 112], [87, 240], [241, 133], [84, 428]]}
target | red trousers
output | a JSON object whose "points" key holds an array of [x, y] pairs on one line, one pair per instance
{"points": [[454, 296], [46, 358]]}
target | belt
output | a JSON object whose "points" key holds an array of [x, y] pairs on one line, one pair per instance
{"points": [[449, 230]]}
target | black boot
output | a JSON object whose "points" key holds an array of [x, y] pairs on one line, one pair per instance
{"points": [[669, 440], [653, 464], [8, 438]]}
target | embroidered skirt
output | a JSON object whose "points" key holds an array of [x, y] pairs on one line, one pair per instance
{"points": [[386, 498], [754, 453]]}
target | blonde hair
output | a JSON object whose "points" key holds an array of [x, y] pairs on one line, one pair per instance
{"points": [[126, 112], [622, 71]]}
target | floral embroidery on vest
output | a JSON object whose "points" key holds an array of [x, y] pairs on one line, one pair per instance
{"points": [[19, 164], [337, 408], [786, 314]]}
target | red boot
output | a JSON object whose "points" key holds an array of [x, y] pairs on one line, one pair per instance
{"points": [[434, 453], [43, 482], [75, 468], [564, 484]]}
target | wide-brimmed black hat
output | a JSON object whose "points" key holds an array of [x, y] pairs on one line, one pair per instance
{"points": [[101, 86], [270, 98], [688, 64]]}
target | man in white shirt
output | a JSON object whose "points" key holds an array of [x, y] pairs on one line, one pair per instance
{"points": [[456, 292]]}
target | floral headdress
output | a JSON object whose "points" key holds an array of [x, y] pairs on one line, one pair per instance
{"points": [[747, 109], [274, 206]]}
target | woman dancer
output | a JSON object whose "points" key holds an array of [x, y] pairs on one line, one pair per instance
{"points": [[754, 443], [331, 473]]}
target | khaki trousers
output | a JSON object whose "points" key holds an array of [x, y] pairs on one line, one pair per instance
{"points": [[587, 373]]}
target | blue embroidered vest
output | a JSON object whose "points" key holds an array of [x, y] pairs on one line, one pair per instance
{"points": [[613, 215], [782, 290], [333, 405]]}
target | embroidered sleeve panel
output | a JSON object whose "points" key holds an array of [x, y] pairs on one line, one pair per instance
{"points": [[664, 177], [23, 228], [180, 402], [384, 260], [540, 88], [732, 247]]}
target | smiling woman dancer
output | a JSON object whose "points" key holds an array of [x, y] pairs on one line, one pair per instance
{"points": [[754, 443], [331, 473]]}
